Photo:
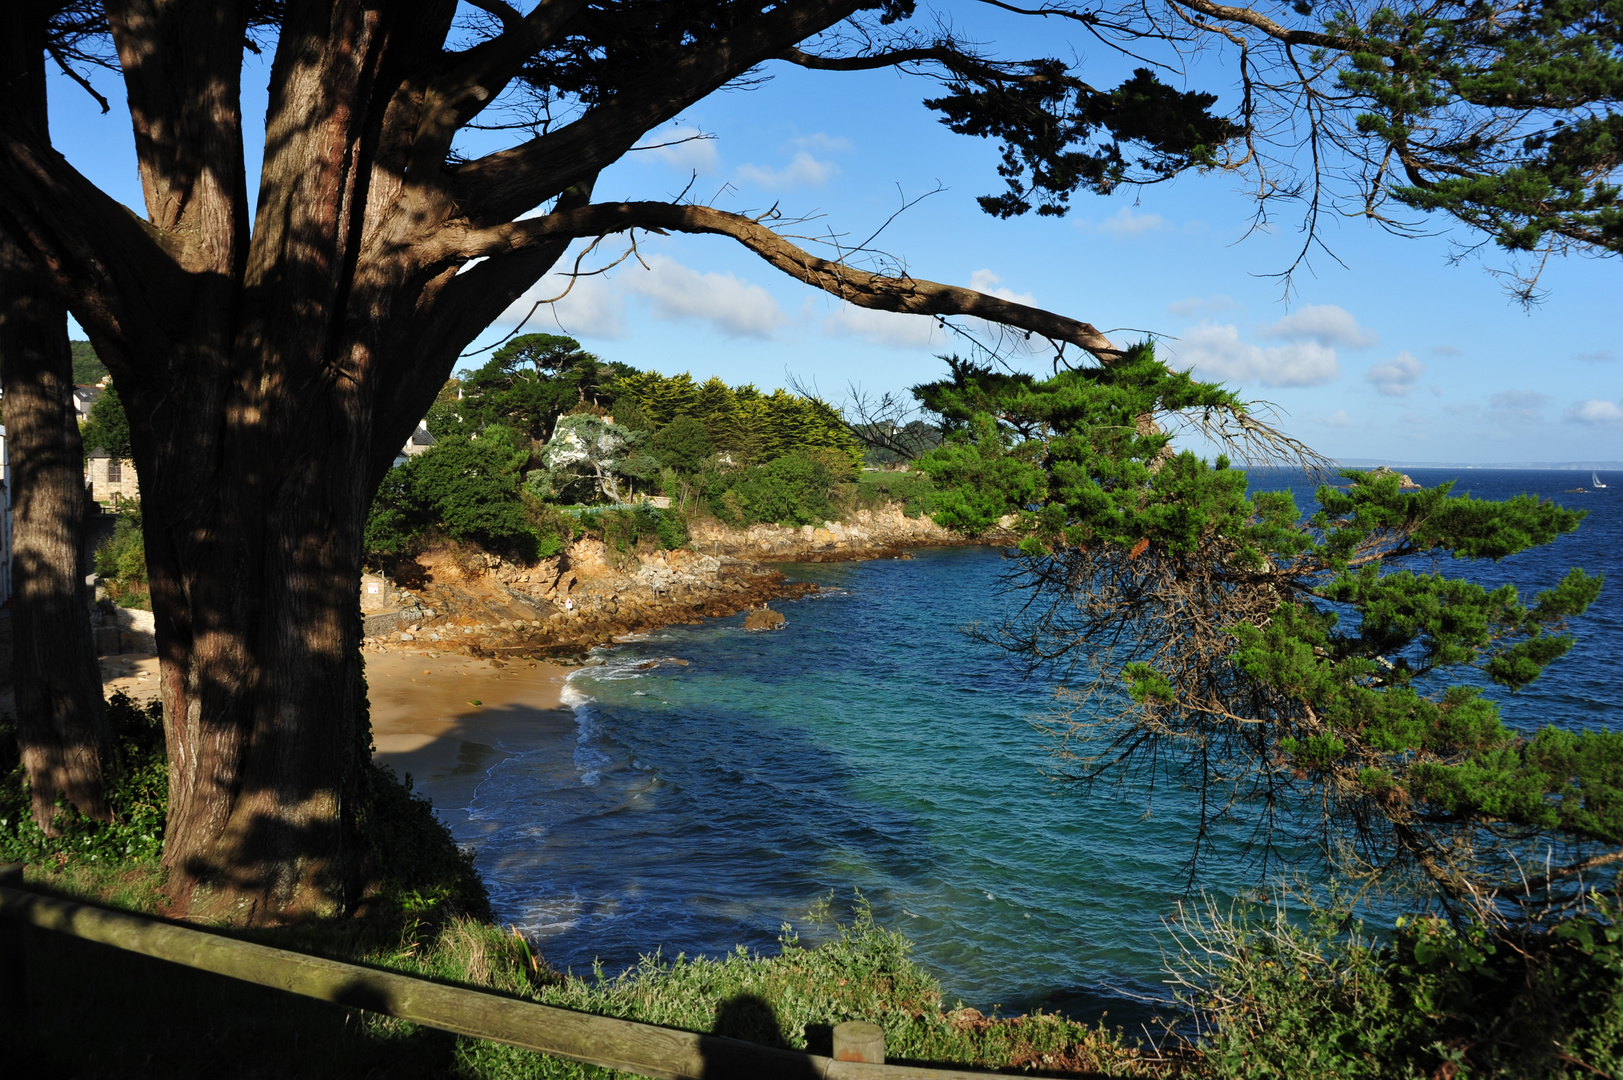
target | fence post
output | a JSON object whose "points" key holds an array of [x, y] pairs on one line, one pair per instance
{"points": [[858, 1040], [13, 951]]}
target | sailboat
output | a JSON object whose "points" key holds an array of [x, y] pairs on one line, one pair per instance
{"points": [[1594, 479]]}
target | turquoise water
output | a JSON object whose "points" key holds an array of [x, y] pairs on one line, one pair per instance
{"points": [[873, 746]]}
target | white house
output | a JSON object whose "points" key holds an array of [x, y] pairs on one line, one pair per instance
{"points": [[83, 398]]}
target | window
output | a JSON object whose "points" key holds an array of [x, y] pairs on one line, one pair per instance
{"points": [[115, 472]]}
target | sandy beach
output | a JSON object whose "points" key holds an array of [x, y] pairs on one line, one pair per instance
{"points": [[429, 712]]}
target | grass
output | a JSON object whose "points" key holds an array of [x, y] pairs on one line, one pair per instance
{"points": [[155, 1019]]}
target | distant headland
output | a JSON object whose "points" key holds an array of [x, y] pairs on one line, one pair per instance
{"points": [[1548, 466]]}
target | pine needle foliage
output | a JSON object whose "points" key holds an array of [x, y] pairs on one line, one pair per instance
{"points": [[1322, 675]]}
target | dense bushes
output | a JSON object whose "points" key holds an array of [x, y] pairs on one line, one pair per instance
{"points": [[121, 563], [466, 488], [875, 490], [1284, 997], [792, 490], [137, 787]]}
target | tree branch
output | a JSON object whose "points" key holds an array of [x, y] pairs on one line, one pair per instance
{"points": [[1259, 21], [508, 182], [464, 91], [906, 295]]}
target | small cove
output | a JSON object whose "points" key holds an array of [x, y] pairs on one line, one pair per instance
{"points": [[873, 746]]}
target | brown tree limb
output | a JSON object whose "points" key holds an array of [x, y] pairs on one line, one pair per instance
{"points": [[906, 295], [1258, 21], [504, 184], [463, 92]]}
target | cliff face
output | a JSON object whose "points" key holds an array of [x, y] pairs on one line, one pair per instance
{"points": [[457, 600]]}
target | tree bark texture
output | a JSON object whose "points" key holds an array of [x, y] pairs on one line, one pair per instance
{"points": [[61, 722], [270, 373]]}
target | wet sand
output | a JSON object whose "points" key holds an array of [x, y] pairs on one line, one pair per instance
{"points": [[424, 718], [431, 714]]}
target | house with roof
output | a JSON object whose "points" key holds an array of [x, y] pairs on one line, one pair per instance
{"points": [[418, 443], [83, 398], [111, 481]]}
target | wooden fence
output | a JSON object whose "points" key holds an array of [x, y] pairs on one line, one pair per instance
{"points": [[627, 1045]]}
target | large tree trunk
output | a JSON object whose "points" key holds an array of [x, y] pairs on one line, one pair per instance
{"points": [[256, 597], [269, 375], [61, 723]]}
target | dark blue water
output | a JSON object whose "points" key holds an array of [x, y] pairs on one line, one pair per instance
{"points": [[873, 746]]}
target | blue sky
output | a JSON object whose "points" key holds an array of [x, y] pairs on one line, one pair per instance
{"points": [[1392, 352]]}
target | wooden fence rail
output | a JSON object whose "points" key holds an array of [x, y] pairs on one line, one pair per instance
{"points": [[597, 1040]]}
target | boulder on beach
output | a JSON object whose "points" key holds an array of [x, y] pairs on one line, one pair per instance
{"points": [[765, 619]]}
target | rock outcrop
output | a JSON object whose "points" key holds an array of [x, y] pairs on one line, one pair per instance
{"points": [[765, 619], [1404, 482], [459, 599]]}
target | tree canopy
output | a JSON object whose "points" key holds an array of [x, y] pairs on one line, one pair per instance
{"points": [[1321, 674], [107, 428], [256, 343]]}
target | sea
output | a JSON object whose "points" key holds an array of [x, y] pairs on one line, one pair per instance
{"points": [[716, 784]]}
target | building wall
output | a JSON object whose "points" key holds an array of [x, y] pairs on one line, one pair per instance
{"points": [[104, 488]]}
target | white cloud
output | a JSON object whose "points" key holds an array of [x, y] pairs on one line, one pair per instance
{"points": [[733, 306], [590, 309], [1596, 356], [1326, 324], [1127, 223], [803, 170], [1524, 405], [822, 143], [687, 149], [1397, 376], [883, 327], [1216, 352], [1337, 419], [1190, 306], [987, 282], [1596, 411], [1448, 350]]}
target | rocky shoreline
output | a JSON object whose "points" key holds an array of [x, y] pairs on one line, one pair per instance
{"points": [[455, 600]]}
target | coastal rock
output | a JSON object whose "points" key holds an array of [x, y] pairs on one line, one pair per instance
{"points": [[1404, 481], [765, 619]]}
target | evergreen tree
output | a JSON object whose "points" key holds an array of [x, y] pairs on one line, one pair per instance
{"points": [[107, 427], [1317, 671]]}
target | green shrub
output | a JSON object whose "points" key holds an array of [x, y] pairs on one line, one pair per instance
{"points": [[915, 491], [626, 529], [121, 562], [419, 868], [465, 487], [1309, 997], [792, 490], [683, 445], [137, 789]]}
